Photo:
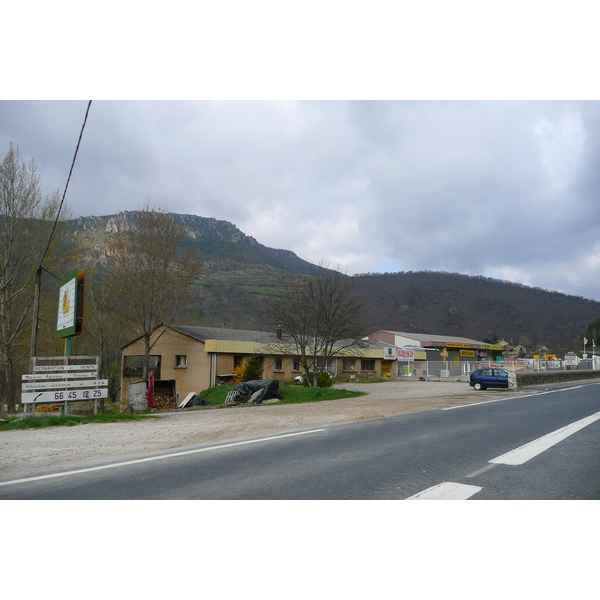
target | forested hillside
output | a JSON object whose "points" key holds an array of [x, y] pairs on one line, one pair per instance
{"points": [[239, 272], [476, 307]]}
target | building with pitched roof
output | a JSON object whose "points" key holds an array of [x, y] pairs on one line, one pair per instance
{"points": [[189, 359]]}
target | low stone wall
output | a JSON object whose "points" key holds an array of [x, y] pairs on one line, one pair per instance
{"points": [[558, 376]]}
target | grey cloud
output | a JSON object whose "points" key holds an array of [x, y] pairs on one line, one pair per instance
{"points": [[474, 187]]}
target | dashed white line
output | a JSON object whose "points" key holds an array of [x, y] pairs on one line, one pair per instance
{"points": [[485, 402], [153, 458], [520, 455], [447, 491], [514, 397]]}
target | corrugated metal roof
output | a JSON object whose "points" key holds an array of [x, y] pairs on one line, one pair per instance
{"points": [[444, 339]]}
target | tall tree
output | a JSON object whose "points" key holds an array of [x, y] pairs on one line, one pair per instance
{"points": [[320, 318], [105, 331], [154, 266], [25, 224]]}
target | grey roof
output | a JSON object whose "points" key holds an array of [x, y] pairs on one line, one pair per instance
{"points": [[243, 335], [443, 339], [220, 333]]}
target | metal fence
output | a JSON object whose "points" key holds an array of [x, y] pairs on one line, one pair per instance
{"points": [[453, 369]]}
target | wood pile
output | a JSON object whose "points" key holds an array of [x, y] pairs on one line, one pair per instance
{"points": [[163, 399]]}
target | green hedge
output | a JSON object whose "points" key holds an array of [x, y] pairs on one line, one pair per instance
{"points": [[557, 376]]}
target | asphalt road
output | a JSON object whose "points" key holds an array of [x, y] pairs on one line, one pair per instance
{"points": [[542, 446]]}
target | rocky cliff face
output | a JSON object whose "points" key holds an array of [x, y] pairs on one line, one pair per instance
{"points": [[221, 243]]}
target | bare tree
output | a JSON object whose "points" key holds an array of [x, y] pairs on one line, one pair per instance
{"points": [[25, 224], [320, 318], [154, 265], [105, 329]]}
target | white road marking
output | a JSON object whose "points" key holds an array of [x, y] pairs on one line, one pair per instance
{"points": [[447, 491], [152, 458], [513, 397], [481, 471], [482, 402], [520, 455]]}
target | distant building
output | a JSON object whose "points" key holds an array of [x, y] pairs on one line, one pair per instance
{"points": [[457, 349]]}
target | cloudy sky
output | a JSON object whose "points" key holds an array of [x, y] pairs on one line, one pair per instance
{"points": [[432, 137], [506, 189]]}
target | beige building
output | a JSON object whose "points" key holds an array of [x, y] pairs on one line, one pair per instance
{"points": [[189, 359]]}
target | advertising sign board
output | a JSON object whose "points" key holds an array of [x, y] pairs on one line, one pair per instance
{"points": [[70, 305], [405, 354]]}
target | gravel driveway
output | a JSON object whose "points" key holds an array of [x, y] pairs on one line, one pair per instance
{"points": [[37, 451]]}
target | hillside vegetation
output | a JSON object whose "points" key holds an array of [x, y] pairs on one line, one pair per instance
{"points": [[239, 272]]}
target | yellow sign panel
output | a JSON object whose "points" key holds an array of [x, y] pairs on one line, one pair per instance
{"points": [[492, 347], [467, 352], [456, 345]]}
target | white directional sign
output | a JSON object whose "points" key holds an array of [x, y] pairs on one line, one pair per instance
{"points": [[63, 382], [60, 368], [55, 385], [90, 375], [30, 397]]}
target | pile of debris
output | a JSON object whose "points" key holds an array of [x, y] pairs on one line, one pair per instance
{"points": [[253, 392], [192, 400]]}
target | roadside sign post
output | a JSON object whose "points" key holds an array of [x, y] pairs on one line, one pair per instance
{"points": [[70, 314], [63, 383]]}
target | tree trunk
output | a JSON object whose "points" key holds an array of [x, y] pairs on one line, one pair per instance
{"points": [[7, 395]]}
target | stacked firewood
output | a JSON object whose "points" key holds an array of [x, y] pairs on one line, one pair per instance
{"points": [[163, 400]]}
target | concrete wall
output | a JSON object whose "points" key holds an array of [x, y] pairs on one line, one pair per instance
{"points": [[557, 376]]}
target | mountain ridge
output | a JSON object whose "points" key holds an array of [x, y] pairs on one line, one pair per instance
{"points": [[239, 273]]}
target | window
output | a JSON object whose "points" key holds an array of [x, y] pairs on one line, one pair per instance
{"points": [[324, 364], [238, 361], [295, 365], [278, 364], [367, 365], [349, 364], [181, 361], [132, 366]]}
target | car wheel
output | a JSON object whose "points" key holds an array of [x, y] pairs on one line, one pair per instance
{"points": [[477, 386]]}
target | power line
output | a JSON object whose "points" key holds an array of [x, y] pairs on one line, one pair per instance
{"points": [[38, 279], [67, 184]]}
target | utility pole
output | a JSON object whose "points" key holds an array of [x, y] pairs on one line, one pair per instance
{"points": [[36, 315]]}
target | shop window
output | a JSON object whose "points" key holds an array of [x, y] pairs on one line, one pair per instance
{"points": [[367, 365]]}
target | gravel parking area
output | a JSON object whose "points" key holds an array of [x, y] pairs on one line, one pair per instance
{"points": [[38, 451]]}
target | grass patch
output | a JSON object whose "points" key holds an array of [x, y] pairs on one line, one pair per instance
{"points": [[68, 420], [296, 394], [292, 394]]}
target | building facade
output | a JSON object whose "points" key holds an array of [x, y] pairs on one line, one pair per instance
{"points": [[189, 359]]}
